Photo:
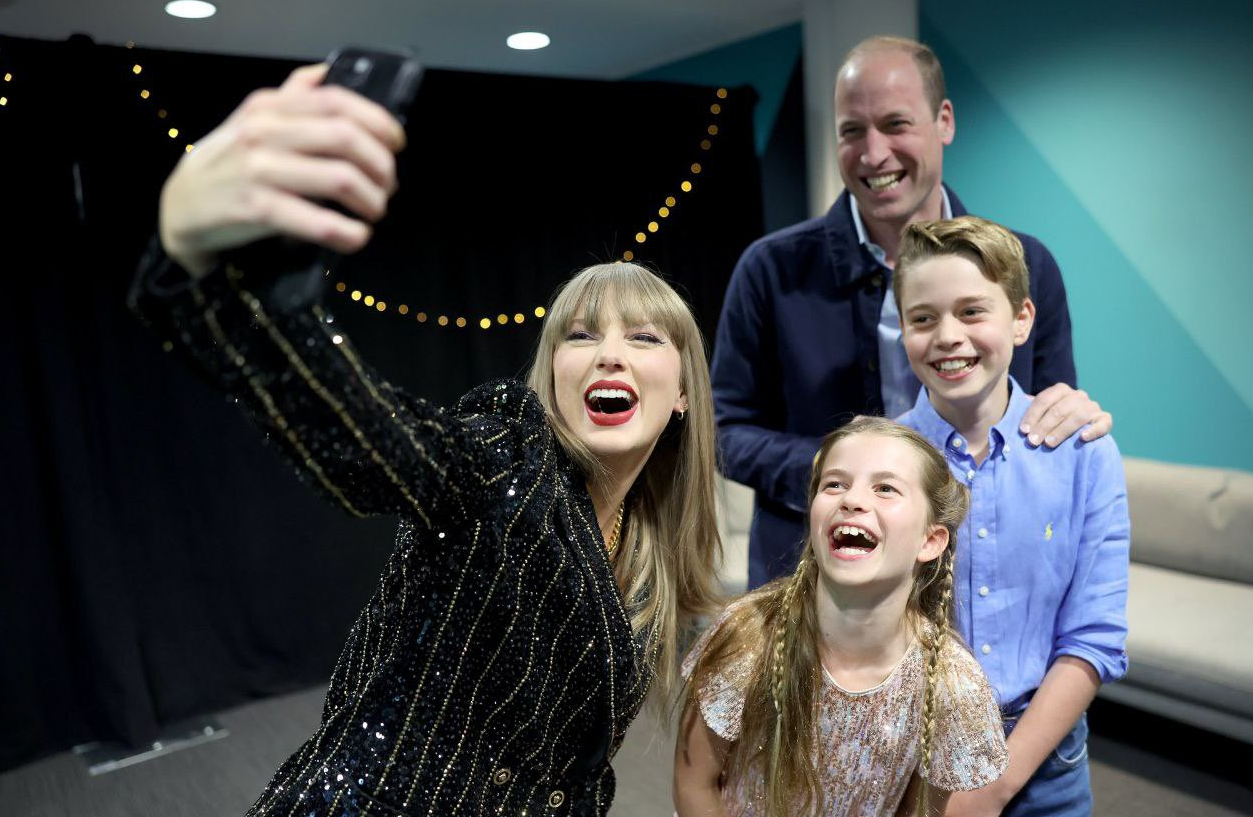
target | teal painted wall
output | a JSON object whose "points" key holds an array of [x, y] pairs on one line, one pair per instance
{"points": [[1120, 133], [764, 62]]}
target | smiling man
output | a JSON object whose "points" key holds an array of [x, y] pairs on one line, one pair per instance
{"points": [[809, 334]]}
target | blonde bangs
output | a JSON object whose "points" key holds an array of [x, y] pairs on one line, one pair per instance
{"points": [[637, 296]]}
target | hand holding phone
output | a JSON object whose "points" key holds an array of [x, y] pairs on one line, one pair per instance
{"points": [[308, 163], [389, 78]]}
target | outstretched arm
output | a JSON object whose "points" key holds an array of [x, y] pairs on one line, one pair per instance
{"points": [[259, 173], [367, 447]]}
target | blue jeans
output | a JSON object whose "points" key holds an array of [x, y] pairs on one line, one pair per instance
{"points": [[1060, 787]]}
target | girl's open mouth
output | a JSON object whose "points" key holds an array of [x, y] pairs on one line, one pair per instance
{"points": [[852, 542]]}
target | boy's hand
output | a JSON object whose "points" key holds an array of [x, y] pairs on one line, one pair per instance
{"points": [[1059, 411]]}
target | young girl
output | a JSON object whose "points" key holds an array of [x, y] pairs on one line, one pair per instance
{"points": [[842, 690]]}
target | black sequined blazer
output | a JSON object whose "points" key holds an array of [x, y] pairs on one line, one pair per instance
{"points": [[494, 670]]}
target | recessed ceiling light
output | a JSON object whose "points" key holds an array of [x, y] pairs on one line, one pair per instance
{"points": [[527, 40], [190, 9]]}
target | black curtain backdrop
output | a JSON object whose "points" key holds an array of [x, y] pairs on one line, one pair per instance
{"points": [[156, 561]]}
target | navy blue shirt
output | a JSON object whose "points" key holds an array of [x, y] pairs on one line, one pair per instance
{"points": [[796, 355]]}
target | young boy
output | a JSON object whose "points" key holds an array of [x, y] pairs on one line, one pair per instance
{"points": [[1040, 581]]}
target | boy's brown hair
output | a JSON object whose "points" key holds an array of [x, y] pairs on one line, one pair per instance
{"points": [[993, 249]]}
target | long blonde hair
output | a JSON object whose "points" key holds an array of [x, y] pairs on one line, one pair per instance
{"points": [[781, 620], [670, 548]]}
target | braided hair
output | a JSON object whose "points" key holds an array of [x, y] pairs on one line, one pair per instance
{"points": [[780, 619], [939, 618], [796, 611]]}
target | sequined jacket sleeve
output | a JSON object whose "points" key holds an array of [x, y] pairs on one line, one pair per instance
{"points": [[368, 447], [721, 696], [969, 750]]}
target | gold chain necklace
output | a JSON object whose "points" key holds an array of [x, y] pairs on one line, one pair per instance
{"points": [[612, 545]]}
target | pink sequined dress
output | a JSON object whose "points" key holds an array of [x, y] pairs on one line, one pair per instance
{"points": [[867, 742]]}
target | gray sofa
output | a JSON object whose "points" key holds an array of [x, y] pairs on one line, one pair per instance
{"points": [[1190, 605]]}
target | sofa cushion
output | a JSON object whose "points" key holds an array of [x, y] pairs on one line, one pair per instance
{"points": [[1198, 520], [1190, 636]]}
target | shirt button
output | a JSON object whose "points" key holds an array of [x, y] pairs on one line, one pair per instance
{"points": [[970, 475], [876, 280], [958, 442], [983, 591], [983, 533], [502, 777], [986, 648], [556, 799]]}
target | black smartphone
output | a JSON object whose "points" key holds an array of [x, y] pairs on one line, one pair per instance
{"points": [[390, 78]]}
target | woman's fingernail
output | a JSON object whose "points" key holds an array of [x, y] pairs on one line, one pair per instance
{"points": [[1034, 438]]}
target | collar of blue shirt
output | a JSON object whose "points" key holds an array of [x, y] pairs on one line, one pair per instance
{"points": [[943, 436], [946, 211]]}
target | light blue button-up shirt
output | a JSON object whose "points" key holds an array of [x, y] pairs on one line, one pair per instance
{"points": [[898, 384], [1041, 568]]}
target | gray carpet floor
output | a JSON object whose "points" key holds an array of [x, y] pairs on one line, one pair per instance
{"points": [[222, 777]]}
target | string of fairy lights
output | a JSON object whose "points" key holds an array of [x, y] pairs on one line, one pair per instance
{"points": [[4, 99], [670, 203], [502, 319], [145, 95], [458, 321], [686, 185]]}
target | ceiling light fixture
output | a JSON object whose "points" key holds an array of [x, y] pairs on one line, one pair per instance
{"points": [[527, 40], [190, 9]]}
